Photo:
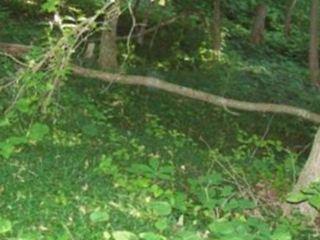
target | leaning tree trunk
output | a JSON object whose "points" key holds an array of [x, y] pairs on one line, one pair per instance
{"points": [[108, 44], [288, 18], [216, 26], [309, 174], [259, 24], [314, 42]]}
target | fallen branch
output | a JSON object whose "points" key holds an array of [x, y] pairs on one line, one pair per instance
{"points": [[196, 94], [181, 90]]}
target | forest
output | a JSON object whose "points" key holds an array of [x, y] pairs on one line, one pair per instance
{"points": [[159, 120]]}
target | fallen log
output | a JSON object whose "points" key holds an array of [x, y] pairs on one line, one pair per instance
{"points": [[18, 50]]}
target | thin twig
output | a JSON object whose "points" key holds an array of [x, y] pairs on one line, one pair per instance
{"points": [[266, 132]]}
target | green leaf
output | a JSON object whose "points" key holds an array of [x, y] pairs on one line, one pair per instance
{"points": [[6, 150], [161, 224], [16, 140], [227, 191], [5, 226], [50, 6], [23, 105], [140, 169], [37, 131], [281, 234], [151, 236], [315, 202], [124, 235], [4, 122], [99, 216], [161, 208], [296, 197], [189, 236], [222, 227]]}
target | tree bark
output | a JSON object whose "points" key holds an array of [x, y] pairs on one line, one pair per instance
{"points": [[314, 42], [216, 26], [142, 30], [309, 174], [108, 45], [144, 24], [89, 53], [259, 24], [288, 18]]}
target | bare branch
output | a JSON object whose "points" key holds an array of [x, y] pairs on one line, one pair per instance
{"points": [[198, 95]]}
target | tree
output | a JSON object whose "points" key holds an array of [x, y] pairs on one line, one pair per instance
{"points": [[108, 44], [314, 43], [144, 24], [289, 11], [259, 23], [216, 26], [309, 174]]}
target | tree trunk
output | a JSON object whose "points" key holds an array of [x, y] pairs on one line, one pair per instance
{"points": [[287, 22], [142, 31], [108, 44], [216, 26], [259, 24], [314, 42], [89, 53], [310, 173]]}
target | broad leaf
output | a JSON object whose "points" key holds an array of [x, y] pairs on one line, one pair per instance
{"points": [[99, 216], [37, 131], [296, 197], [151, 236], [124, 235], [315, 202], [161, 208]]}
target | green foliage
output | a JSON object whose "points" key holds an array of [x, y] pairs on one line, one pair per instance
{"points": [[5, 226], [310, 194], [136, 163], [113, 184], [50, 6]]}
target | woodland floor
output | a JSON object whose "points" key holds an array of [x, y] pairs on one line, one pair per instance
{"points": [[129, 160]]}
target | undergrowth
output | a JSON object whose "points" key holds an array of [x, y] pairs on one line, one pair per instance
{"points": [[88, 178], [114, 162]]}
